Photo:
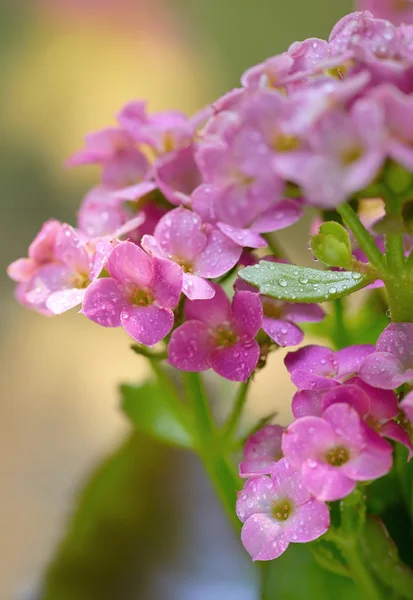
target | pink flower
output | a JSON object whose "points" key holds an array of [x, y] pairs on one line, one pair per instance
{"points": [[262, 450], [60, 266], [177, 175], [164, 131], [317, 366], [278, 510], [202, 251], [138, 295], [335, 451], [396, 11], [407, 406], [219, 335], [116, 151], [391, 364]]}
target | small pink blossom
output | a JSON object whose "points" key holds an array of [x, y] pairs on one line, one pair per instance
{"points": [[335, 451], [202, 251], [391, 364], [278, 510], [138, 295], [219, 335], [116, 152], [262, 450]]}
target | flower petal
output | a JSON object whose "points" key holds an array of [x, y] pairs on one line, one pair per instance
{"points": [[307, 438], [180, 234], [130, 264], [325, 482], [147, 325], [309, 522], [197, 288], [350, 359], [218, 256], [213, 312], [243, 237], [282, 332], [63, 300], [104, 302], [303, 313], [236, 362], [190, 347], [263, 537], [246, 313], [384, 370], [394, 431], [257, 496], [167, 282]]}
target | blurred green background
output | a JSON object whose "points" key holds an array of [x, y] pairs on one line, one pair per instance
{"points": [[66, 67]]}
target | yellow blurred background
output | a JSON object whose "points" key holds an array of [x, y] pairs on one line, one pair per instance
{"points": [[67, 66]]}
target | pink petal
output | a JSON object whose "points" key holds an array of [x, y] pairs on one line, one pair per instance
{"points": [[246, 314], [352, 395], [289, 483], [350, 359], [261, 451], [150, 245], [63, 300], [129, 264], [394, 431], [177, 175], [368, 465], [236, 362], [407, 406], [282, 332], [147, 325], [325, 482], [218, 256], [257, 496], [167, 282], [134, 192], [309, 522], [307, 438], [213, 312], [303, 313], [203, 202], [307, 403], [190, 346], [103, 302], [384, 370], [346, 424], [243, 237], [197, 288], [383, 403], [70, 250], [180, 234], [284, 214], [396, 339], [263, 538], [22, 269], [317, 360]]}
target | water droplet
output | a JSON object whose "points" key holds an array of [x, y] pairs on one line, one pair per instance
{"points": [[283, 283]]}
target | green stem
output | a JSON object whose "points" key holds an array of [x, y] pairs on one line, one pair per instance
{"points": [[234, 418], [359, 571], [275, 248], [339, 335], [218, 466], [362, 236], [394, 242], [144, 351]]}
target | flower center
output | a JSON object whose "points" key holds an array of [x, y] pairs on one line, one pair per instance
{"points": [[81, 281], [225, 336], [337, 456], [282, 509], [272, 308], [142, 298], [283, 142], [351, 155], [186, 265]]}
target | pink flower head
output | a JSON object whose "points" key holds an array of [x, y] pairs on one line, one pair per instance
{"points": [[391, 364], [116, 151], [138, 295], [315, 367], [278, 510], [346, 152], [202, 251], [164, 131], [60, 266], [396, 11], [376, 407], [219, 335], [262, 450], [335, 451], [177, 175]]}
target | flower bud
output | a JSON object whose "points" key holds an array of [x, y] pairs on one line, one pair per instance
{"points": [[332, 245]]}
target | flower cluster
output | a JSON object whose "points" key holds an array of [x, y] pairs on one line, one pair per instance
{"points": [[183, 203], [344, 408]]}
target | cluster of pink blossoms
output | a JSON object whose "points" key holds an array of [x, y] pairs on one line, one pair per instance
{"points": [[183, 203]]}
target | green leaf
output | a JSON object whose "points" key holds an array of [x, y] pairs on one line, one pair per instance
{"points": [[381, 554], [332, 245], [296, 575], [153, 409], [300, 284]]}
